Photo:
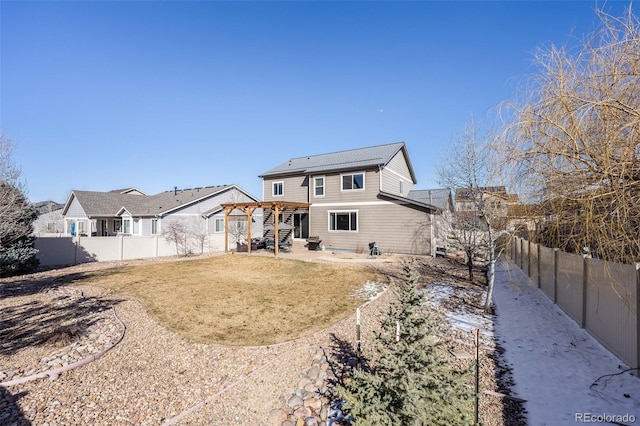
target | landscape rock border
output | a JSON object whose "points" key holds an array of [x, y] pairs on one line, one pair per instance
{"points": [[62, 360]]}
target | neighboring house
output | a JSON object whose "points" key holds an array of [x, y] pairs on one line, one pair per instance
{"points": [[133, 213], [355, 197], [442, 198], [526, 218], [494, 198], [50, 220]]}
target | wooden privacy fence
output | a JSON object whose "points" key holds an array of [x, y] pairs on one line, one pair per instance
{"points": [[602, 297]]}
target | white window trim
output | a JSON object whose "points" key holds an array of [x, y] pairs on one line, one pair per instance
{"points": [[215, 225], [351, 174], [357, 212], [273, 188], [324, 186], [126, 221]]}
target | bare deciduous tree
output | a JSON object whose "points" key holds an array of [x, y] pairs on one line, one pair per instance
{"points": [[575, 137], [468, 165], [176, 232], [199, 233]]}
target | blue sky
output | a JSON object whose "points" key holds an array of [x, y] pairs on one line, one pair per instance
{"points": [[106, 95]]}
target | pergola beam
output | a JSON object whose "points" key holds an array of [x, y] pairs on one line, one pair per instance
{"points": [[250, 207]]}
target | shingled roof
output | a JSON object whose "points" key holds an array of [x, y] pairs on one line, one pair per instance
{"points": [[109, 204], [360, 158], [435, 197]]}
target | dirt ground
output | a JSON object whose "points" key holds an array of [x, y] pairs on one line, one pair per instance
{"points": [[150, 347]]}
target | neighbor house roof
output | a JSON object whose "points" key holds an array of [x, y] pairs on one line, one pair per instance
{"points": [[439, 198], [352, 159], [109, 204]]}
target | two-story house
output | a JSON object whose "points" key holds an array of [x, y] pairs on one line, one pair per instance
{"points": [[355, 197]]}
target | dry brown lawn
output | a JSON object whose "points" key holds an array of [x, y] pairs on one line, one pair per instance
{"points": [[240, 300]]}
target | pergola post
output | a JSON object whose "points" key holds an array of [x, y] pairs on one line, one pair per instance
{"points": [[227, 211], [276, 240], [249, 214], [250, 207]]}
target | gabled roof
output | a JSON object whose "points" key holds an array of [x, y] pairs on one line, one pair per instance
{"points": [[440, 198], [110, 204], [352, 159], [128, 191]]}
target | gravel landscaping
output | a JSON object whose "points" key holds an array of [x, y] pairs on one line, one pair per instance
{"points": [[152, 376]]}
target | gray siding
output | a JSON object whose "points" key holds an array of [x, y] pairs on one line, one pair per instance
{"points": [[334, 193], [75, 210], [296, 189], [395, 171], [395, 227]]}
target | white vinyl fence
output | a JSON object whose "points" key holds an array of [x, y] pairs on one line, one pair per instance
{"points": [[54, 251], [600, 296]]}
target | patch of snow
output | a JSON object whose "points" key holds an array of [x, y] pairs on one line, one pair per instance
{"points": [[469, 322], [438, 292], [557, 366], [463, 318], [369, 291]]}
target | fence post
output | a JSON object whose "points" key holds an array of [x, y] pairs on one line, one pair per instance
{"points": [[585, 282], [556, 256], [539, 280], [529, 258], [521, 251]]}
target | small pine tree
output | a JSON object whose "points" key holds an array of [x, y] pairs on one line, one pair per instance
{"points": [[410, 380]]}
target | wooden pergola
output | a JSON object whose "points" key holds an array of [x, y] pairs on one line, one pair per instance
{"points": [[249, 208]]}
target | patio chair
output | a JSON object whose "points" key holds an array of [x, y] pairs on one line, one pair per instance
{"points": [[269, 245]]}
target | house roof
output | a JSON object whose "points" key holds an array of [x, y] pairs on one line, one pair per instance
{"points": [[109, 204], [47, 206], [436, 197], [463, 194], [409, 201], [359, 158]]}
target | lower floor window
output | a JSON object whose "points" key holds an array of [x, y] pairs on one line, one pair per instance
{"points": [[343, 221], [154, 226]]}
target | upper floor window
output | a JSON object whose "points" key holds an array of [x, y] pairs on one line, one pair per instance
{"points": [[278, 189], [318, 186], [353, 182], [402, 187]]}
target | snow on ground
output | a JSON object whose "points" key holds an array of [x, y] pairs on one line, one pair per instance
{"points": [[369, 291], [555, 362], [463, 317]]}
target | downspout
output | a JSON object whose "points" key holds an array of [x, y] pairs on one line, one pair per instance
{"points": [[433, 246]]}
